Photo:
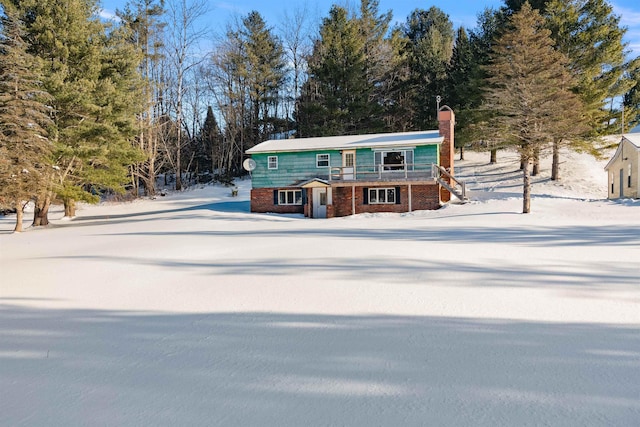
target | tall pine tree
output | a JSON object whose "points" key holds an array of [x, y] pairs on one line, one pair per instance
{"points": [[529, 91], [92, 125], [24, 120], [335, 99], [430, 46], [590, 35]]}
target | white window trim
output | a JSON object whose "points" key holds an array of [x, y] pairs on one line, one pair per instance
{"points": [[328, 160], [269, 166], [295, 199], [385, 192], [403, 150]]}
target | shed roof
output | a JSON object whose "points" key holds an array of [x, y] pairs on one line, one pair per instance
{"points": [[349, 142], [631, 138]]}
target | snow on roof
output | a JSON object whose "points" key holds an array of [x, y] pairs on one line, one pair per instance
{"points": [[633, 138], [348, 142]]}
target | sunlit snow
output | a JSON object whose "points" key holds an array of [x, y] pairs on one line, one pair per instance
{"points": [[190, 310]]}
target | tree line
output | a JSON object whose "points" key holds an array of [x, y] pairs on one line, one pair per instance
{"points": [[91, 106]]}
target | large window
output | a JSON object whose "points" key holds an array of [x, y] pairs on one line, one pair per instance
{"points": [[322, 160], [382, 196], [272, 162], [394, 160], [290, 197]]}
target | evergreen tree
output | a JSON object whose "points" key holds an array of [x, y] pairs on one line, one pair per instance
{"points": [[528, 89], [589, 34], [513, 6], [491, 24], [430, 43], [379, 59], [265, 74], [463, 93], [397, 96], [83, 64], [335, 99], [25, 149], [632, 102], [212, 156]]}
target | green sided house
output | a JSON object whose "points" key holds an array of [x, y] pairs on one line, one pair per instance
{"points": [[345, 175]]}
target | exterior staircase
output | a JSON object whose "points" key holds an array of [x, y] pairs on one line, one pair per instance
{"points": [[456, 187]]}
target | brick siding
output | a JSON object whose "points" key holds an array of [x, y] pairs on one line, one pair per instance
{"points": [[262, 202], [423, 197]]}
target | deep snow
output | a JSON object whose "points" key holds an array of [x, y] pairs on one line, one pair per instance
{"points": [[189, 310]]}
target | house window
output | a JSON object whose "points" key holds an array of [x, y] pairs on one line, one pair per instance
{"points": [[349, 160], [272, 162], [290, 197], [322, 160], [382, 196], [394, 160], [629, 177]]}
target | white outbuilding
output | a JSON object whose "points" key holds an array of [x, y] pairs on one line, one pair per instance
{"points": [[623, 169]]}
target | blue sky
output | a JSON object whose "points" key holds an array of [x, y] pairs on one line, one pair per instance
{"points": [[461, 12]]}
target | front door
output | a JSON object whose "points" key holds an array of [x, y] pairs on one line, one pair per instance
{"points": [[320, 202], [348, 165]]}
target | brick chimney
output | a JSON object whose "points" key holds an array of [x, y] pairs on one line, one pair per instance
{"points": [[446, 123]]}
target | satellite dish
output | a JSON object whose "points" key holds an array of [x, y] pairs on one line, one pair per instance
{"points": [[249, 164]]}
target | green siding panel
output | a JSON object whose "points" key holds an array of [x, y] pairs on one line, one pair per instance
{"points": [[293, 168], [297, 167]]}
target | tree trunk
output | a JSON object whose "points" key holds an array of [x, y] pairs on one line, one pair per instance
{"points": [[19, 217], [536, 164], [69, 208], [178, 170], [41, 211], [150, 184], [494, 156], [555, 165], [461, 153], [526, 187]]}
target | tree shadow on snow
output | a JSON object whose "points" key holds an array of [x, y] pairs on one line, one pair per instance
{"points": [[81, 367], [555, 236]]}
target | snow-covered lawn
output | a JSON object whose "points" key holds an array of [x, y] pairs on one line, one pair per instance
{"points": [[189, 310]]}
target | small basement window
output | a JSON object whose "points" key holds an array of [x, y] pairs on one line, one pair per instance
{"points": [[290, 197], [382, 196], [272, 162]]}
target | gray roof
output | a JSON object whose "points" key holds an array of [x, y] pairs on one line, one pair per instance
{"points": [[349, 142]]}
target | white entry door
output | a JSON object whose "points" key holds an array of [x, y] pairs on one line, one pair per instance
{"points": [[320, 202], [348, 165]]}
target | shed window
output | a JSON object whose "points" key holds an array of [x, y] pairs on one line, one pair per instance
{"points": [[612, 184], [629, 177]]}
